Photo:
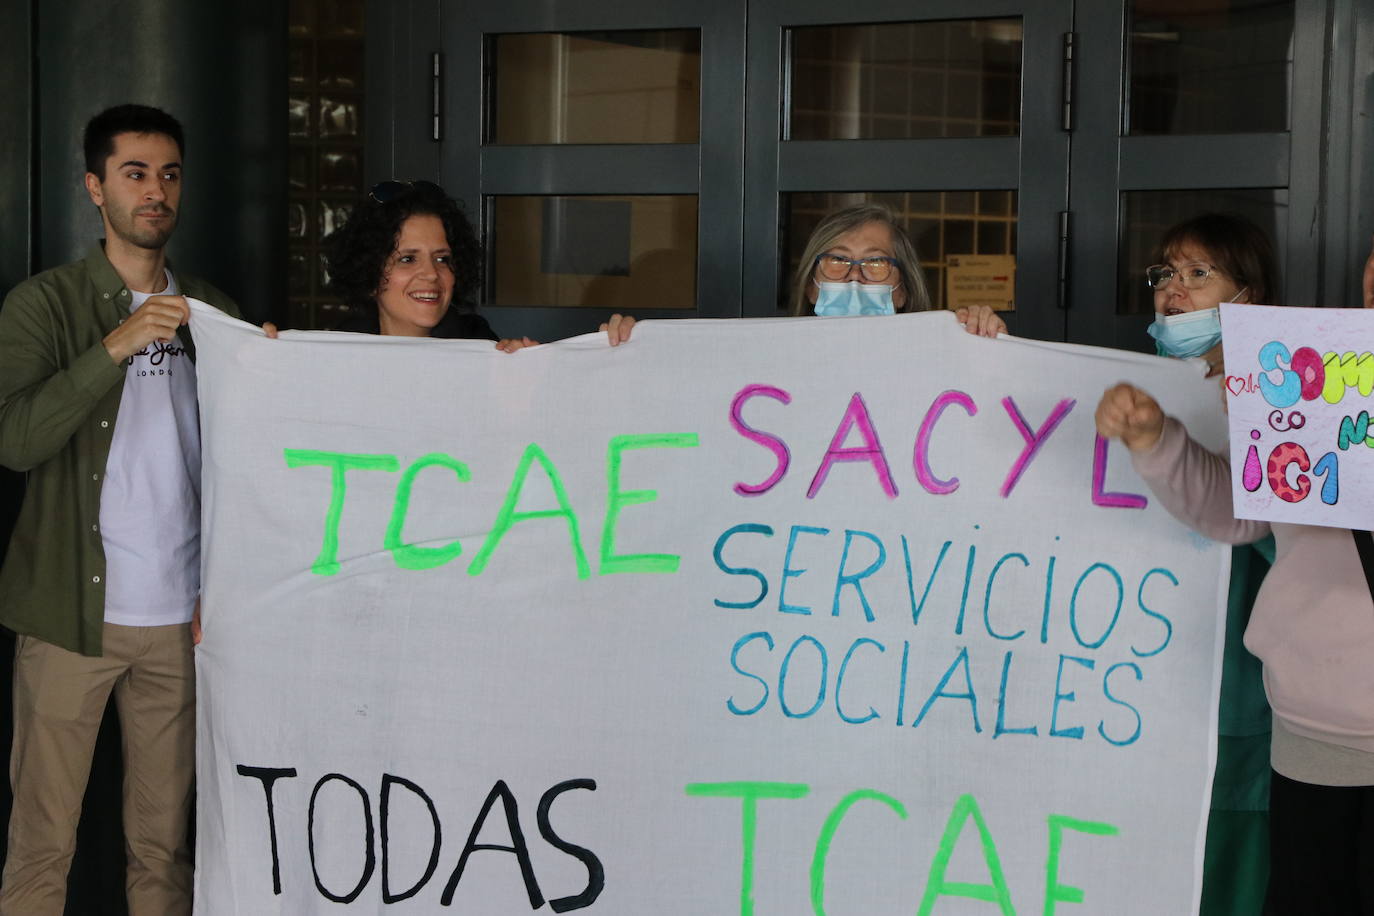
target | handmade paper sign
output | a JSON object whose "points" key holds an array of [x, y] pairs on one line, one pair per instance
{"points": [[1298, 386], [844, 616]]}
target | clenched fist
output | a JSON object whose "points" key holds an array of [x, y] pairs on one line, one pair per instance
{"points": [[1131, 415], [156, 319]]}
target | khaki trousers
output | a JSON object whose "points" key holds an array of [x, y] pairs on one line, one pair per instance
{"points": [[59, 699]]}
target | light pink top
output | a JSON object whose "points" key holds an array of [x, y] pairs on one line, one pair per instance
{"points": [[1313, 620]]}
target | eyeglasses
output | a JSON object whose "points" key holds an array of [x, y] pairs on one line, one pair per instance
{"points": [[1194, 277], [837, 267], [384, 192]]}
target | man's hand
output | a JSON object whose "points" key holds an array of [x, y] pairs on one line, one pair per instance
{"points": [[1131, 415], [156, 319], [195, 625]]}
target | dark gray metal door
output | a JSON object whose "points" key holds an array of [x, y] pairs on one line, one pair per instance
{"points": [[970, 153], [566, 174], [1105, 147], [1179, 113]]}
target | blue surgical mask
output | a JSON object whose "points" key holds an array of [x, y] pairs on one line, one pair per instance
{"points": [[1187, 333], [854, 298]]}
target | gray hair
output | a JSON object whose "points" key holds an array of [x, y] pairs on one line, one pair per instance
{"points": [[845, 220]]}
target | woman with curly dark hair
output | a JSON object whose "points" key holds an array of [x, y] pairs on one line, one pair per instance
{"points": [[406, 253]]}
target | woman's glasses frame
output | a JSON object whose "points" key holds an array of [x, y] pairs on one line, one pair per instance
{"points": [[875, 269], [1195, 276]]}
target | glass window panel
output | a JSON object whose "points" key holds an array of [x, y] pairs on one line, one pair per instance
{"points": [[607, 252], [966, 230], [596, 87], [297, 221], [300, 314], [333, 214], [325, 85], [330, 315], [298, 117], [1210, 66], [299, 175], [1147, 215], [959, 235], [905, 80], [341, 170], [959, 201], [298, 274], [322, 267], [992, 235], [301, 18], [339, 118], [300, 67], [341, 65], [341, 18]]}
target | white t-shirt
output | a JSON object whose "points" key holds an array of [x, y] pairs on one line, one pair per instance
{"points": [[150, 501]]}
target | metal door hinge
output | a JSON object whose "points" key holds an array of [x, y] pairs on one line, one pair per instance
{"points": [[436, 86], [1062, 261], [1066, 75]]}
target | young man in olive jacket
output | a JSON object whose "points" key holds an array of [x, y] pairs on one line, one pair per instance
{"points": [[102, 577]]}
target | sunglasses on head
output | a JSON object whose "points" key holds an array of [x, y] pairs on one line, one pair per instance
{"points": [[384, 192]]}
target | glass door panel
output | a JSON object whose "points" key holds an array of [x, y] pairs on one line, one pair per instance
{"points": [[1209, 66], [640, 86], [624, 253], [1220, 111], [903, 80], [948, 112]]}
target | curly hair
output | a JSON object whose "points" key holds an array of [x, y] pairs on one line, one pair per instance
{"points": [[356, 253]]}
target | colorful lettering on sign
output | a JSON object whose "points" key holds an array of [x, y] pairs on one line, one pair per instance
{"points": [[855, 417], [1306, 375], [1353, 430], [1102, 497], [858, 420], [770, 442], [965, 810], [800, 686], [1345, 371], [920, 461], [416, 557], [1034, 441], [1276, 472]]}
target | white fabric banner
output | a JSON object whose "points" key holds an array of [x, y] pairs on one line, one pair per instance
{"points": [[1298, 383], [762, 616]]}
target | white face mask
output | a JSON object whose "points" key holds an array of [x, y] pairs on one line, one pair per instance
{"points": [[854, 298]]}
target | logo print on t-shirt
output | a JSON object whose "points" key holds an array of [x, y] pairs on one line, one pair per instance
{"points": [[157, 352]]}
